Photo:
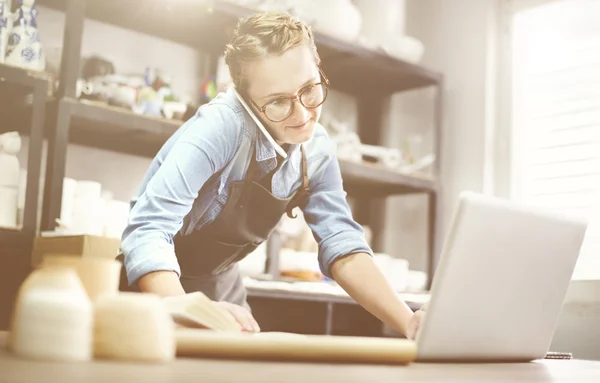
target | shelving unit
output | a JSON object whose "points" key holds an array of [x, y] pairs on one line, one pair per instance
{"points": [[116, 129], [190, 22], [332, 304], [17, 85], [371, 76]]}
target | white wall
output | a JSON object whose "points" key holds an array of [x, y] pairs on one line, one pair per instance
{"points": [[459, 36], [578, 328]]}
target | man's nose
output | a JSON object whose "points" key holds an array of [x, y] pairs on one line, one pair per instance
{"points": [[300, 114]]}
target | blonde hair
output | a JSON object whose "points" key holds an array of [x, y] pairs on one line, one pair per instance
{"points": [[261, 35]]}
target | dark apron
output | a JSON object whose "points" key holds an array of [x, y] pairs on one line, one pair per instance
{"points": [[208, 257]]}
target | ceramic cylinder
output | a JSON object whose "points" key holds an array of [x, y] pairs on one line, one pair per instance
{"points": [[53, 317], [134, 327], [382, 19], [99, 276], [9, 182]]}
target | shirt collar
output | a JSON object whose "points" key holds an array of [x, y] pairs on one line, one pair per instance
{"points": [[295, 157], [265, 151]]}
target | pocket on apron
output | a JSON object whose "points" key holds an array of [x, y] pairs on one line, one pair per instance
{"points": [[212, 259], [238, 252]]}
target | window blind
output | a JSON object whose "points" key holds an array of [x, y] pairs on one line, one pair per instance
{"points": [[556, 114]]}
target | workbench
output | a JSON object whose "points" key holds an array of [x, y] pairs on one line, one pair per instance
{"points": [[182, 370], [310, 311]]}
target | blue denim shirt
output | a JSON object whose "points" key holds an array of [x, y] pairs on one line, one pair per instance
{"points": [[187, 185]]}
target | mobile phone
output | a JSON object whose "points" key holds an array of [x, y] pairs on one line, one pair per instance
{"points": [[278, 148], [558, 355]]}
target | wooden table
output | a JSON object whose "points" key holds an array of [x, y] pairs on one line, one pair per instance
{"points": [[16, 370]]}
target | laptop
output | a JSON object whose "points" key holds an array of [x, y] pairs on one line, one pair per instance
{"points": [[500, 283]]}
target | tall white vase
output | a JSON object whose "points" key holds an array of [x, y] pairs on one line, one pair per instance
{"points": [[6, 22], [382, 19], [24, 48], [336, 18], [10, 145]]}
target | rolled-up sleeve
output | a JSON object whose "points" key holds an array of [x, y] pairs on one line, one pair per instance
{"points": [[205, 145], [328, 215]]}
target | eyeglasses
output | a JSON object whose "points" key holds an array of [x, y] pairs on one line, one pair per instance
{"points": [[311, 96]]}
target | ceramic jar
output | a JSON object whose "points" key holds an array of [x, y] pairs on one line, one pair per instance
{"points": [[10, 145], [381, 20], [53, 317], [6, 22], [24, 49], [335, 18]]}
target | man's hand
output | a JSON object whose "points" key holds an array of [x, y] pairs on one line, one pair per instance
{"points": [[240, 314], [364, 282], [415, 322]]}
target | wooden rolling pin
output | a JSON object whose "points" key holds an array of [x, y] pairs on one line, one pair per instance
{"points": [[294, 347]]}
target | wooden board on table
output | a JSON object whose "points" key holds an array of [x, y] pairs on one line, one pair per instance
{"points": [[294, 347], [197, 310]]}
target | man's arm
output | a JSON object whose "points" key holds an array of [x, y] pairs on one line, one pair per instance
{"points": [[204, 147], [162, 283], [364, 282], [343, 252]]}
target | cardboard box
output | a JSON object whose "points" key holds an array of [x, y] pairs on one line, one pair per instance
{"points": [[74, 245]]}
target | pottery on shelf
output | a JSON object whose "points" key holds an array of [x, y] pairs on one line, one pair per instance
{"points": [[6, 23], [336, 18], [24, 48], [10, 146], [381, 20], [384, 28]]}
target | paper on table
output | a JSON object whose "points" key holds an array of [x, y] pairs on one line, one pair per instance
{"points": [[294, 347]]}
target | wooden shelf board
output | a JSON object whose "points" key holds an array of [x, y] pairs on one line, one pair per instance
{"points": [[256, 292], [12, 239], [15, 75], [372, 181], [16, 85], [208, 25], [10, 232], [117, 129]]}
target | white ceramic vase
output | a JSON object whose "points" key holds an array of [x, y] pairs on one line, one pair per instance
{"points": [[10, 145], [336, 18], [6, 22], [24, 48], [382, 19]]}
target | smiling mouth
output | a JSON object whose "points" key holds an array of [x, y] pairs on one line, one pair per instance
{"points": [[299, 126]]}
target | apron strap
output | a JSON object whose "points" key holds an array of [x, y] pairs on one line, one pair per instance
{"points": [[303, 193], [304, 170]]}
